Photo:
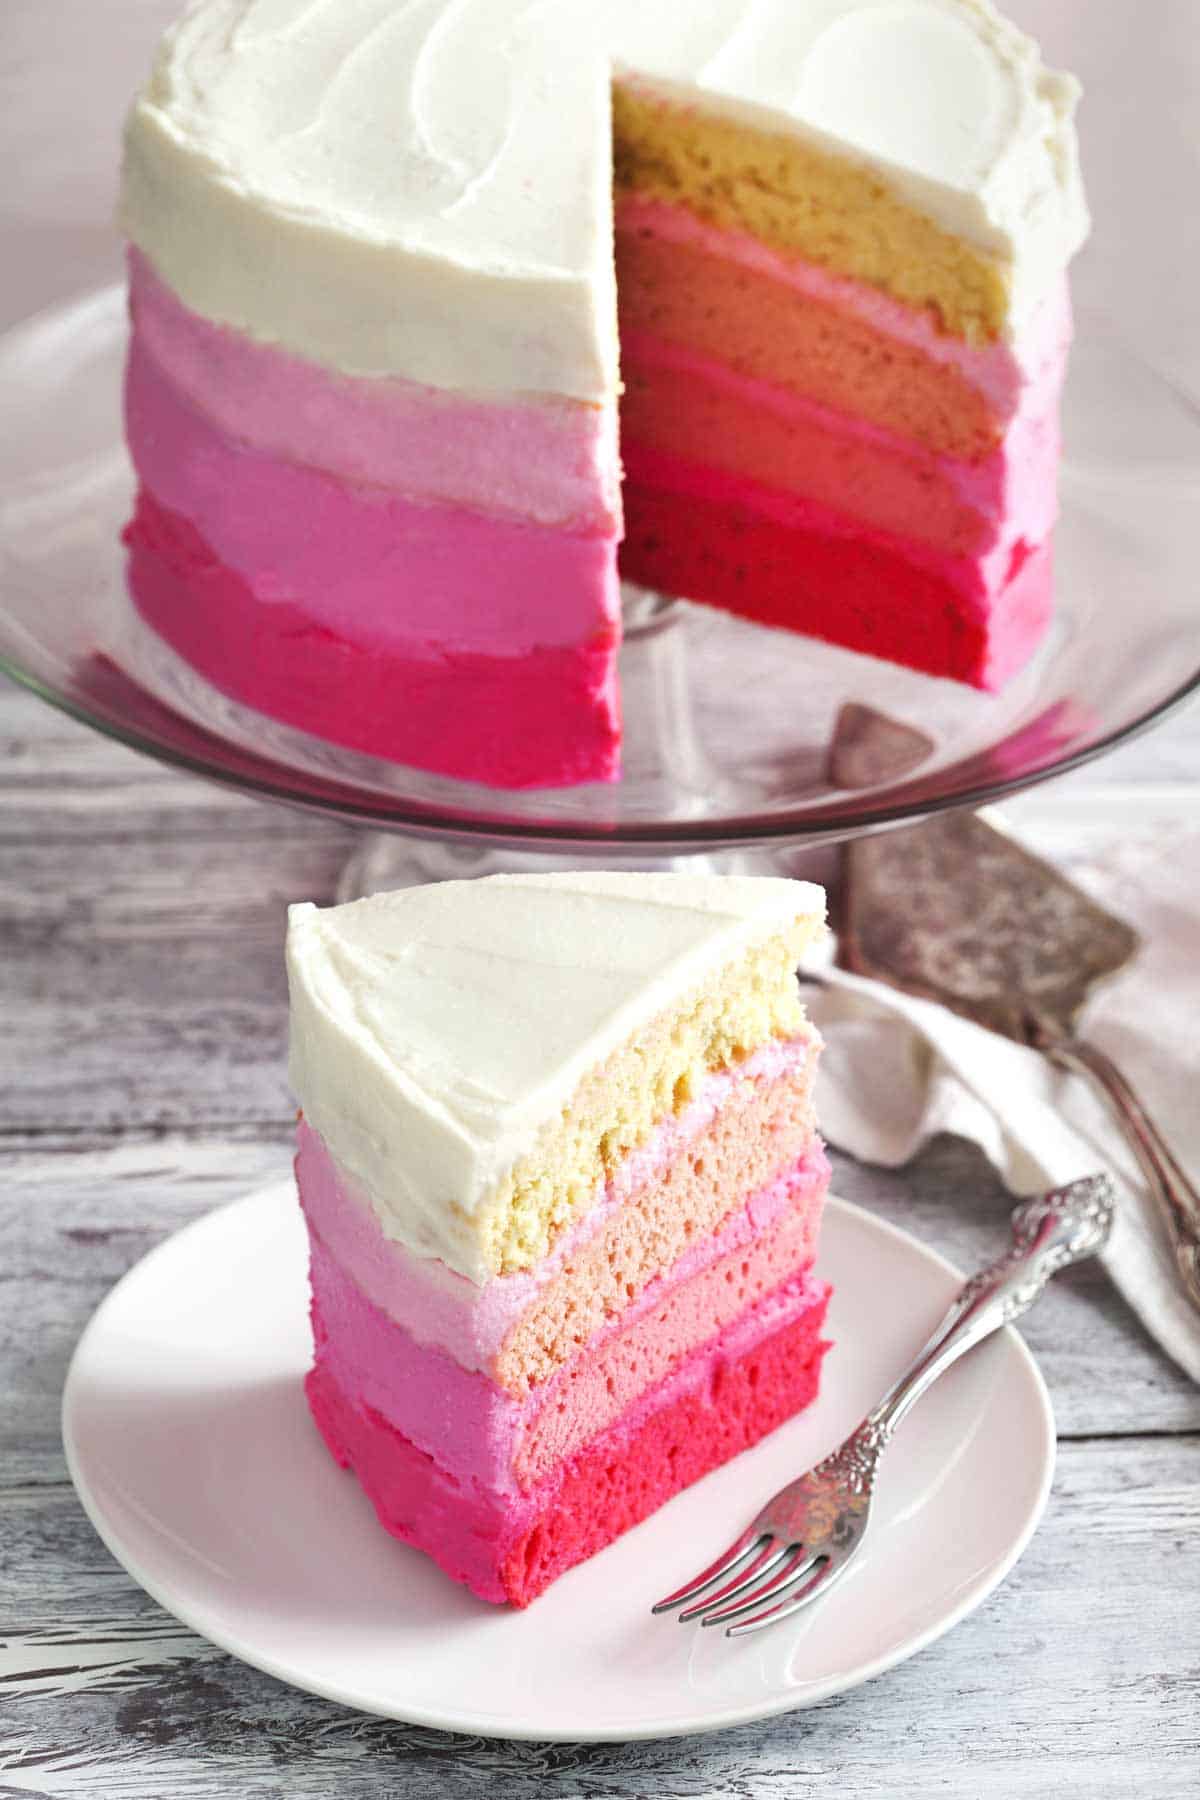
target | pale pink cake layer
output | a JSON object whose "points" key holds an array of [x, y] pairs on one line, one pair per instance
{"points": [[550, 461], [362, 563], [481, 1434], [550, 718], [1007, 376], [740, 1129], [675, 399]]}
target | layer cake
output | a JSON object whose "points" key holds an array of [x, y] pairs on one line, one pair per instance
{"points": [[390, 266], [558, 1163]]}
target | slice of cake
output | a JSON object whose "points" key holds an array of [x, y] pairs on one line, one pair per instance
{"points": [[373, 387], [562, 1184]]}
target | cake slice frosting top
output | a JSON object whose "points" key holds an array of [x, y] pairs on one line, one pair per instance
{"points": [[437, 1031], [448, 167]]}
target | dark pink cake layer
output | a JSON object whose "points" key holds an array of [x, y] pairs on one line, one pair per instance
{"points": [[698, 1418], [785, 562]]}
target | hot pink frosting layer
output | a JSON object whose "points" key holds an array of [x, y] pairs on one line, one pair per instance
{"points": [[1001, 371], [360, 562], [441, 1308], [479, 1433], [546, 719], [550, 461]]}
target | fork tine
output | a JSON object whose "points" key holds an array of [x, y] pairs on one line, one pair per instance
{"points": [[771, 1553], [737, 1552], [780, 1584], [819, 1584]]}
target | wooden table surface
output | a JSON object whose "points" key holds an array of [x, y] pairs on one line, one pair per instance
{"points": [[142, 1082]]}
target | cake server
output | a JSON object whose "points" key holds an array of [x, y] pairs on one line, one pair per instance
{"points": [[808, 1534], [955, 911]]}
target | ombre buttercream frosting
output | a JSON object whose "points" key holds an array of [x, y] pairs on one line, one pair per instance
{"points": [[425, 190]]}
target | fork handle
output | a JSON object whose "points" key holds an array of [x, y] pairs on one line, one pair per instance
{"points": [[1175, 1196], [1049, 1232]]}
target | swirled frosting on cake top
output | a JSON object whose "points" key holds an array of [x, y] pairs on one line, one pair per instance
{"points": [[424, 187]]}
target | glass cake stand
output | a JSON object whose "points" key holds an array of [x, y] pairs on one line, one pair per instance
{"points": [[742, 744]]}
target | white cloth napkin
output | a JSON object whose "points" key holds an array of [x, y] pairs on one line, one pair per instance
{"points": [[898, 1070]]}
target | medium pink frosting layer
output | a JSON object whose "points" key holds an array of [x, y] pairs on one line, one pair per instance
{"points": [[761, 433], [979, 579], [441, 1308], [551, 461], [479, 1433], [359, 562]]}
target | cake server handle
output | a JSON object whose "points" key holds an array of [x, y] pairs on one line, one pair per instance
{"points": [[1172, 1191]]}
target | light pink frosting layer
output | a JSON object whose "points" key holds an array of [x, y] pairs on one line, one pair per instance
{"points": [[441, 1308], [552, 461], [360, 562], [481, 1434]]}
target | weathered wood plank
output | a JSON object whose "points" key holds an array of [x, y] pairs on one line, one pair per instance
{"points": [[61, 781], [148, 979], [73, 1221], [1068, 1679]]}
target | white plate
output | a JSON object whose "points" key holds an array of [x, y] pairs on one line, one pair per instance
{"points": [[192, 1450]]}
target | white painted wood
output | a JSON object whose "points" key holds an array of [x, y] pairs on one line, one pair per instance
{"points": [[141, 918], [1078, 1676]]}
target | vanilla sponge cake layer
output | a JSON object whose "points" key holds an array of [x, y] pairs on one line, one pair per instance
{"points": [[787, 192], [614, 1110]]}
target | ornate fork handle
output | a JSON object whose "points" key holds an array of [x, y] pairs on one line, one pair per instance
{"points": [[1049, 1232]]}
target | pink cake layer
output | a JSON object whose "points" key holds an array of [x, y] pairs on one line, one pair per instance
{"points": [[675, 399], [693, 531], [479, 1432], [549, 461], [739, 1131], [548, 718], [832, 339], [724, 1398]]}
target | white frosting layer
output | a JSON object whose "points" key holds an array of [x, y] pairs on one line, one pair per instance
{"points": [[423, 187], [434, 1031]]}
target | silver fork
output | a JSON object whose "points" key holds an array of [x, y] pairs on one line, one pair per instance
{"points": [[806, 1537]]}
